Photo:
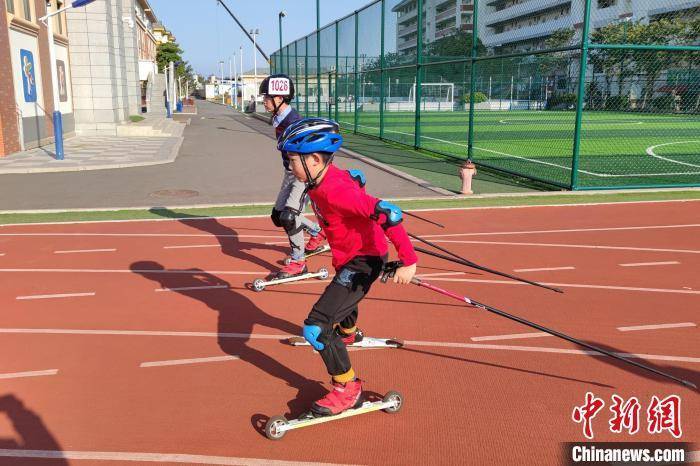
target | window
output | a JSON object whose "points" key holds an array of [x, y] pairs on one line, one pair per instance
{"points": [[606, 3], [27, 11], [11, 6], [59, 17]]}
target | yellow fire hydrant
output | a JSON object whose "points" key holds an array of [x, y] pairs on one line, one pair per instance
{"points": [[466, 171]]}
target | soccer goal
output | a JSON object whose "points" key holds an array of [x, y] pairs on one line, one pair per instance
{"points": [[438, 97]]}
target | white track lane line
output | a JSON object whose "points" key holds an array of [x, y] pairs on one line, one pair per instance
{"points": [[563, 245], [18, 375], [570, 285], [145, 235], [532, 349], [514, 336], [194, 288], [568, 230], [543, 269], [145, 271], [217, 245], [537, 349], [2, 254], [52, 296], [644, 264], [243, 217], [178, 362], [162, 458], [635, 328], [83, 250]]}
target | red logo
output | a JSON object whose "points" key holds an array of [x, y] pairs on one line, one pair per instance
{"points": [[625, 415], [665, 415], [587, 412], [662, 415]]}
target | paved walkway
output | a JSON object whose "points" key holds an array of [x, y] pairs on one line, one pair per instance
{"points": [[225, 158], [94, 153]]}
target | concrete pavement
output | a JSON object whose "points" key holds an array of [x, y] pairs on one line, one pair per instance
{"points": [[225, 158]]}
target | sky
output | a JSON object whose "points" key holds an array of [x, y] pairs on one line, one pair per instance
{"points": [[208, 34]]}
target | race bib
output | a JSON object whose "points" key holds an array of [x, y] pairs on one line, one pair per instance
{"points": [[278, 86]]}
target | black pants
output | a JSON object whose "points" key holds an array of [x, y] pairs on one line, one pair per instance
{"points": [[338, 305]]}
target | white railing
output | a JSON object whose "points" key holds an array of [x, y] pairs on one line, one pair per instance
{"points": [[522, 9]]}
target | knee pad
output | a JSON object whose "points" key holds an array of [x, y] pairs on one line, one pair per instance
{"points": [[275, 216], [288, 219]]}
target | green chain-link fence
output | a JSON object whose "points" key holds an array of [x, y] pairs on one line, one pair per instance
{"points": [[582, 94]]}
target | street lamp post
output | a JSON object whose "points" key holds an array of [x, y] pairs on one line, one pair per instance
{"points": [[221, 86], [240, 50], [234, 92], [254, 33], [57, 118], [281, 15]]}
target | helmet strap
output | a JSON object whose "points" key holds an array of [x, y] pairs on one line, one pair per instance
{"points": [[311, 183]]}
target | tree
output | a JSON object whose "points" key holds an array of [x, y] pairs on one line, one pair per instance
{"points": [[553, 63], [653, 63], [610, 62], [166, 53], [171, 52]]}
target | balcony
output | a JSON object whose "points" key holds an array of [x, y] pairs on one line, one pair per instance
{"points": [[449, 13], [445, 32], [406, 30], [521, 10], [529, 32], [406, 44], [403, 17]]}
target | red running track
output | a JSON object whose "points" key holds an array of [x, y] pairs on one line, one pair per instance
{"points": [[497, 399]]}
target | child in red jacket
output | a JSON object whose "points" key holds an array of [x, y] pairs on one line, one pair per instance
{"points": [[356, 226]]}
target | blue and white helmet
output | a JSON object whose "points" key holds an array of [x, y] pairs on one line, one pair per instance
{"points": [[311, 135]]}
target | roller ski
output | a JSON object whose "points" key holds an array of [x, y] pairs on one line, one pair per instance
{"points": [[277, 426], [356, 339], [260, 284]]}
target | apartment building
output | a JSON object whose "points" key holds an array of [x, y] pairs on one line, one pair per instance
{"points": [[507, 26], [441, 18]]}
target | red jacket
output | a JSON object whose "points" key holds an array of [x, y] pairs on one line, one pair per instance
{"points": [[345, 209]]}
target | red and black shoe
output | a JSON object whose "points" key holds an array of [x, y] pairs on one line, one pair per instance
{"points": [[315, 243], [292, 269], [350, 338], [341, 398]]}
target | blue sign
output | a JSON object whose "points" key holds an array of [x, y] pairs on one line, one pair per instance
{"points": [[26, 60]]}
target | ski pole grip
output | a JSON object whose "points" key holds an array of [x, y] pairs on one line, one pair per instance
{"points": [[390, 270]]}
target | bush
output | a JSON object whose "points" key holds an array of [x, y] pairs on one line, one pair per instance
{"points": [[478, 98], [561, 102], [136, 118], [617, 102]]}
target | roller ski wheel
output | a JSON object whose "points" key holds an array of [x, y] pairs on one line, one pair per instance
{"points": [[258, 284], [272, 428], [396, 400], [277, 426], [322, 273]]}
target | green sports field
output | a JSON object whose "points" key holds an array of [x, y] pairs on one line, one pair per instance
{"points": [[617, 149]]}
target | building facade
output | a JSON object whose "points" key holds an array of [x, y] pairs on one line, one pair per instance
{"points": [[441, 18], [26, 89], [508, 26]]}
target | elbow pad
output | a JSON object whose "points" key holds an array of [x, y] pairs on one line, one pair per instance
{"points": [[392, 214], [358, 176]]}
